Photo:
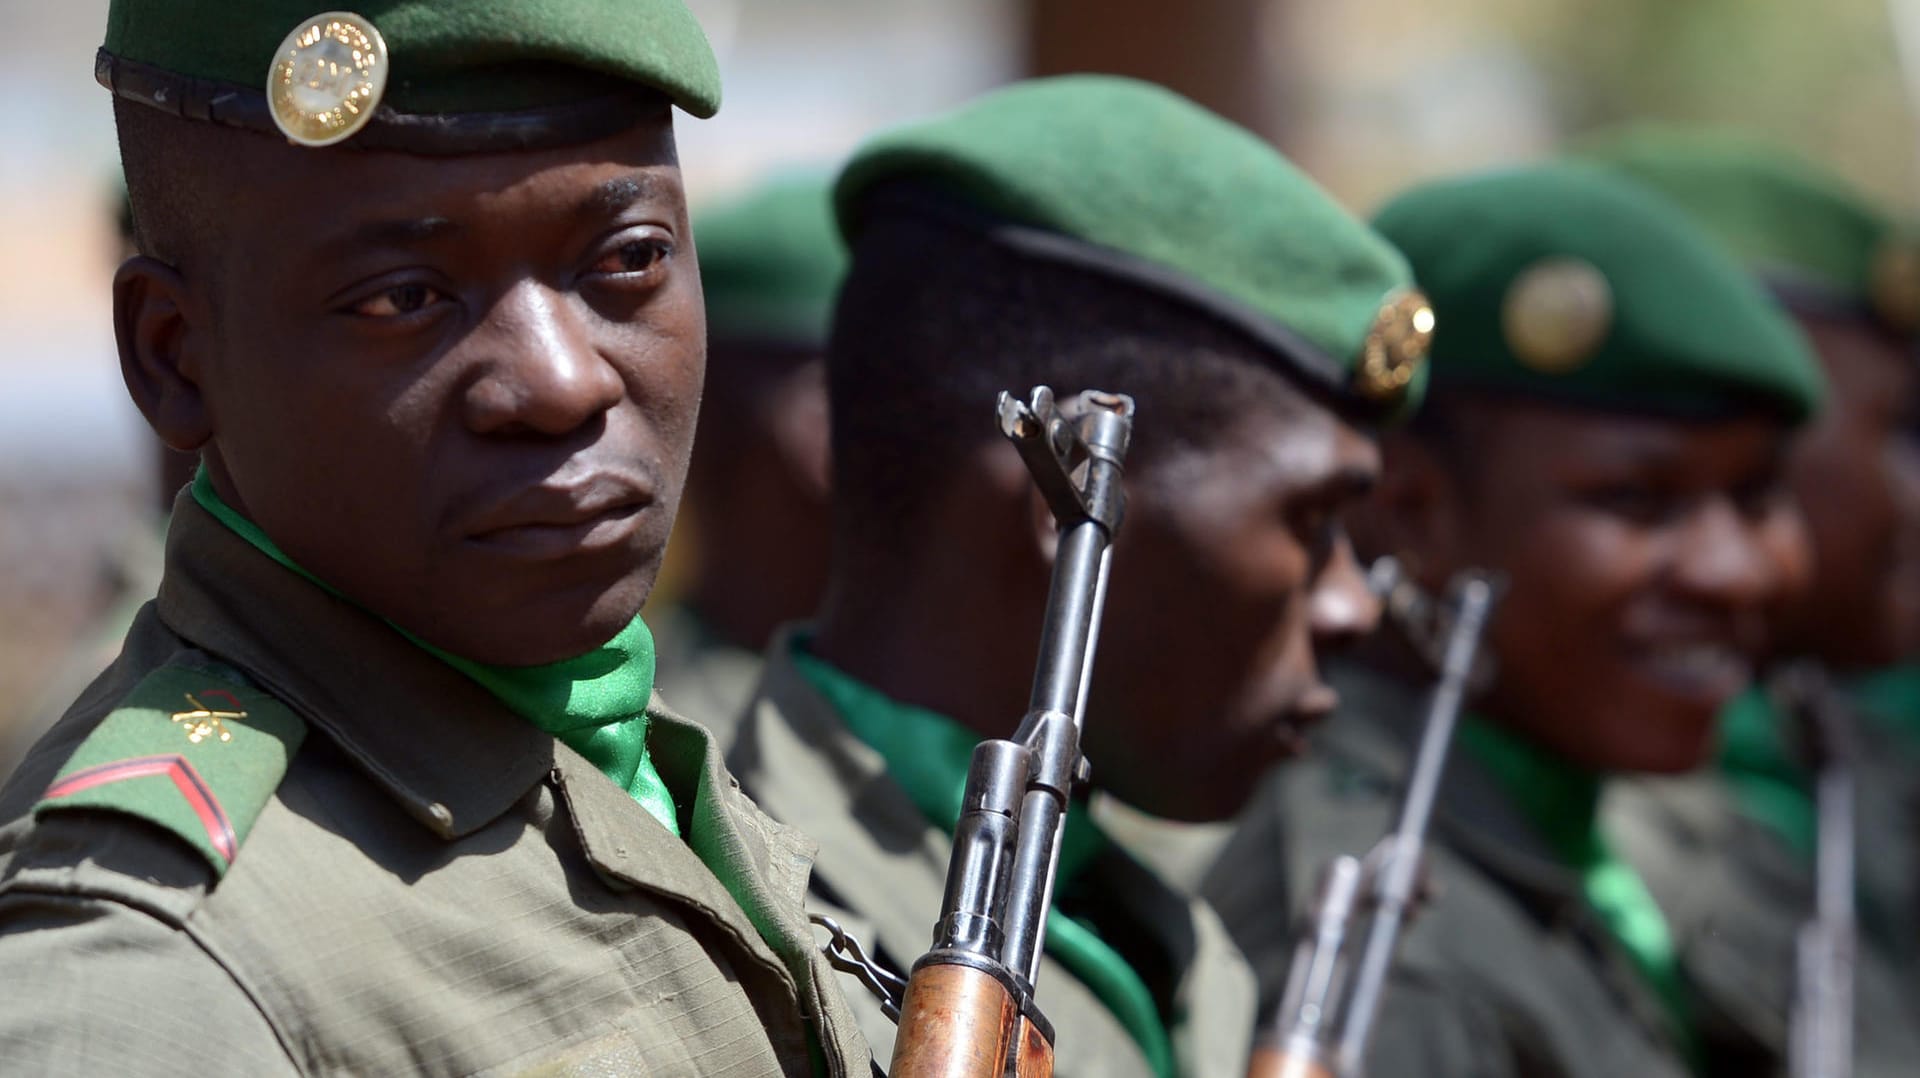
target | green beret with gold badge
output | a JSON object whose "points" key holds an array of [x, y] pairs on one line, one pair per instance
{"points": [[1566, 283], [1818, 244], [1132, 181], [771, 262], [420, 76]]}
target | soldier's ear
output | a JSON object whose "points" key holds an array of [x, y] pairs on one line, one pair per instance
{"points": [[160, 350], [1415, 512], [800, 429]]}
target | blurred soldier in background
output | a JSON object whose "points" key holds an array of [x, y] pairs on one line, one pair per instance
{"points": [[754, 523], [1730, 854], [1086, 233], [1609, 413], [130, 570], [379, 783]]}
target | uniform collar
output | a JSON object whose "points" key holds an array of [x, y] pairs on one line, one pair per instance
{"points": [[446, 749], [797, 758]]}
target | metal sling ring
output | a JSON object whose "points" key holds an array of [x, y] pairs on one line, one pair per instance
{"points": [[846, 954]]}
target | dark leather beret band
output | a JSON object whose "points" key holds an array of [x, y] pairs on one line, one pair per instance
{"points": [[245, 108]]}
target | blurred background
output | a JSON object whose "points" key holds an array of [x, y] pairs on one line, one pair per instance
{"points": [[1367, 95]]}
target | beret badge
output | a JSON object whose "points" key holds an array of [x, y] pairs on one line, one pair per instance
{"points": [[327, 78], [1893, 284], [1556, 314], [1395, 346]]}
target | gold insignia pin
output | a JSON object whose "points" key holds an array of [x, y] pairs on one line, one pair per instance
{"points": [[202, 722], [327, 78], [1556, 314], [1395, 346], [1894, 284]]}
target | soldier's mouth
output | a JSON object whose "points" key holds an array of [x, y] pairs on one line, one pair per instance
{"points": [[1707, 671], [541, 540]]}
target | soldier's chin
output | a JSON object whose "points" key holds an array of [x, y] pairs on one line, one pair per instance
{"points": [[1668, 749], [549, 627], [1210, 798]]}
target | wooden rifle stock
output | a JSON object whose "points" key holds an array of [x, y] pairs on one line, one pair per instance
{"points": [[1273, 1061], [960, 1022], [969, 1010]]}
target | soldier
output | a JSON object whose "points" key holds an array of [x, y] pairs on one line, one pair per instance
{"points": [[770, 266], [1611, 401], [1087, 233], [1730, 853], [375, 785]]}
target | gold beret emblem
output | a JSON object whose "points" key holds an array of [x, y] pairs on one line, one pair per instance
{"points": [[327, 78], [1556, 314], [1395, 345], [1893, 284]]}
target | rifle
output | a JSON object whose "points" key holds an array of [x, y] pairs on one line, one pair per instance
{"points": [[1820, 1019], [1332, 996], [969, 1010]]}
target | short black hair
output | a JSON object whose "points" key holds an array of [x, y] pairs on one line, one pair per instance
{"points": [[937, 317], [172, 169]]}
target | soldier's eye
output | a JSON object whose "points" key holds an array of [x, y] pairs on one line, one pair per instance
{"points": [[1638, 503], [398, 301], [639, 255]]}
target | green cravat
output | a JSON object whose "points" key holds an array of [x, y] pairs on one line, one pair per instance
{"points": [[928, 755], [1769, 783], [1562, 802], [1890, 698], [595, 704], [1767, 776]]}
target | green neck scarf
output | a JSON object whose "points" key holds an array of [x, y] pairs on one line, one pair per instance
{"points": [[928, 755], [595, 704], [1766, 775], [1890, 700], [1562, 803], [1770, 785]]}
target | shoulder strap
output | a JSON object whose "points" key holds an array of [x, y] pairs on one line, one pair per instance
{"points": [[195, 751]]}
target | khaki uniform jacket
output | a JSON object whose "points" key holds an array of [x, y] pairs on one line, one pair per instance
{"points": [[882, 870], [1735, 898], [434, 887], [1505, 973], [1887, 821]]}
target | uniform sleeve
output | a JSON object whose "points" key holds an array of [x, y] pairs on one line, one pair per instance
{"points": [[1425, 1030], [95, 987]]}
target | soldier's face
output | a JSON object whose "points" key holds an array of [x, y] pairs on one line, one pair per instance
{"points": [[1647, 560], [1856, 473], [1231, 574], [460, 390]]}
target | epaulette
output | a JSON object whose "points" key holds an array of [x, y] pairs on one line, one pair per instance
{"points": [[197, 752]]}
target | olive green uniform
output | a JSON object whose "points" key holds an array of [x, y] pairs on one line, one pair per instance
{"points": [[1738, 886], [1508, 971], [430, 883], [1736, 898], [703, 675], [882, 868]]}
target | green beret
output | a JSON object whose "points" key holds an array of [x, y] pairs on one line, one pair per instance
{"points": [[771, 264], [1564, 282], [1819, 244], [424, 76], [1129, 180]]}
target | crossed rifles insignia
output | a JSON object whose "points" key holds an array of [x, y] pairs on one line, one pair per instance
{"points": [[202, 722]]}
